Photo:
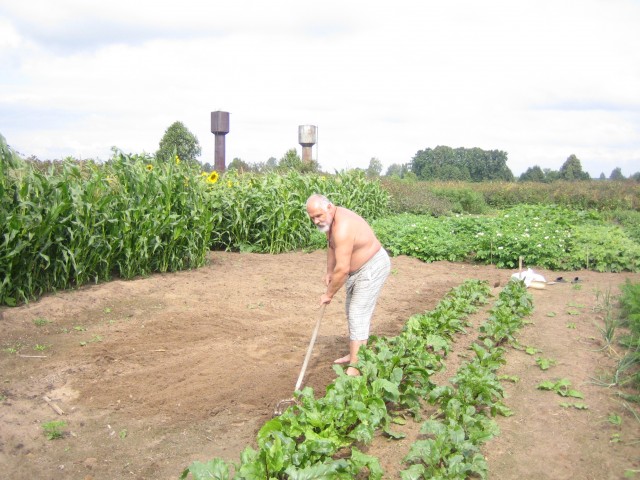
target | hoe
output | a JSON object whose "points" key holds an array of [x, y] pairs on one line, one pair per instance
{"points": [[284, 404]]}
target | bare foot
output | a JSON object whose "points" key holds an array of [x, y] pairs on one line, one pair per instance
{"points": [[345, 359], [353, 372]]}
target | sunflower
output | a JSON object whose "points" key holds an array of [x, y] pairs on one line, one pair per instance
{"points": [[213, 177], [149, 167]]}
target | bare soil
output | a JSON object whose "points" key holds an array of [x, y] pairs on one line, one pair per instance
{"points": [[154, 373]]}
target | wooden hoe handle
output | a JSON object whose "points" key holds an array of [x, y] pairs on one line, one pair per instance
{"points": [[310, 348]]}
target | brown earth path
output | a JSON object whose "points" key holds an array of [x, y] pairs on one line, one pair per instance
{"points": [[157, 372]]}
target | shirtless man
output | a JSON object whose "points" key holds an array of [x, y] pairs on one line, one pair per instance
{"points": [[355, 258]]}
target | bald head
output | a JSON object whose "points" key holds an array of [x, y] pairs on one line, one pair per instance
{"points": [[318, 201], [321, 211]]}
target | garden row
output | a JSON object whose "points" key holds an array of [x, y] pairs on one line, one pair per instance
{"points": [[319, 437]]}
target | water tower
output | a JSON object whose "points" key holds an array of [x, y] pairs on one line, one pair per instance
{"points": [[307, 137], [220, 127]]}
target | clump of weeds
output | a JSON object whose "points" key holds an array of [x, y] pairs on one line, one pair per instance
{"points": [[53, 429]]}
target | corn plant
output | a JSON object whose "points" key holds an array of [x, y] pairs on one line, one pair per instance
{"points": [[82, 222], [267, 213]]}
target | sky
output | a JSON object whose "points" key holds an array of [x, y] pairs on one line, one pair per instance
{"points": [[538, 79]]}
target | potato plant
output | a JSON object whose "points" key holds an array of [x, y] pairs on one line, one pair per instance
{"points": [[550, 237]]}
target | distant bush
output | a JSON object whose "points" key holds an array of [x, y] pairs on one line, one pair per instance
{"points": [[439, 198], [410, 196], [464, 197], [600, 195]]}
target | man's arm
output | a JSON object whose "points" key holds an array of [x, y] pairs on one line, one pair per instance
{"points": [[331, 262], [343, 248]]}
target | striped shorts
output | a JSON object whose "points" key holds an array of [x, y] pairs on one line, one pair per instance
{"points": [[362, 288]]}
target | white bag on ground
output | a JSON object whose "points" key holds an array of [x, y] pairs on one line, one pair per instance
{"points": [[529, 276]]}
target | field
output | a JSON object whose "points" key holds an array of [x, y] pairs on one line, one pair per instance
{"points": [[155, 373]]}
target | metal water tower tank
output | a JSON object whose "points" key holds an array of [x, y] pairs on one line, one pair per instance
{"points": [[220, 127], [307, 137]]}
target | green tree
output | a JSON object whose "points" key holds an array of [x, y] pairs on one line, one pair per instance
{"points": [[635, 177], [572, 170], [292, 161], [484, 165], [397, 170], [551, 175], [455, 173], [616, 174], [177, 138], [271, 164], [428, 163], [468, 164], [239, 165], [375, 168], [533, 174]]}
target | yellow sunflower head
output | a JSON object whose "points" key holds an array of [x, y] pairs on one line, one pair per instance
{"points": [[149, 167], [213, 177]]}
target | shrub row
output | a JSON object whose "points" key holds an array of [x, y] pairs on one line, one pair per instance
{"points": [[440, 198]]}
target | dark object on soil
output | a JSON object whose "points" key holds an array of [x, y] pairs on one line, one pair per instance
{"points": [[560, 280], [284, 404], [576, 280]]}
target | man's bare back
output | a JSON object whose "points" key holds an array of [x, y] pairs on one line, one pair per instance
{"points": [[349, 224]]}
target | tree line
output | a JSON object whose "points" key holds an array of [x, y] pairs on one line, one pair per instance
{"points": [[476, 165], [441, 163]]}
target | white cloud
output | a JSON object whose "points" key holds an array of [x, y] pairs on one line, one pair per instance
{"points": [[540, 80]]}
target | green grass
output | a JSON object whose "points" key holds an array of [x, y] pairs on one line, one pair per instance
{"points": [[41, 322], [53, 430]]}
